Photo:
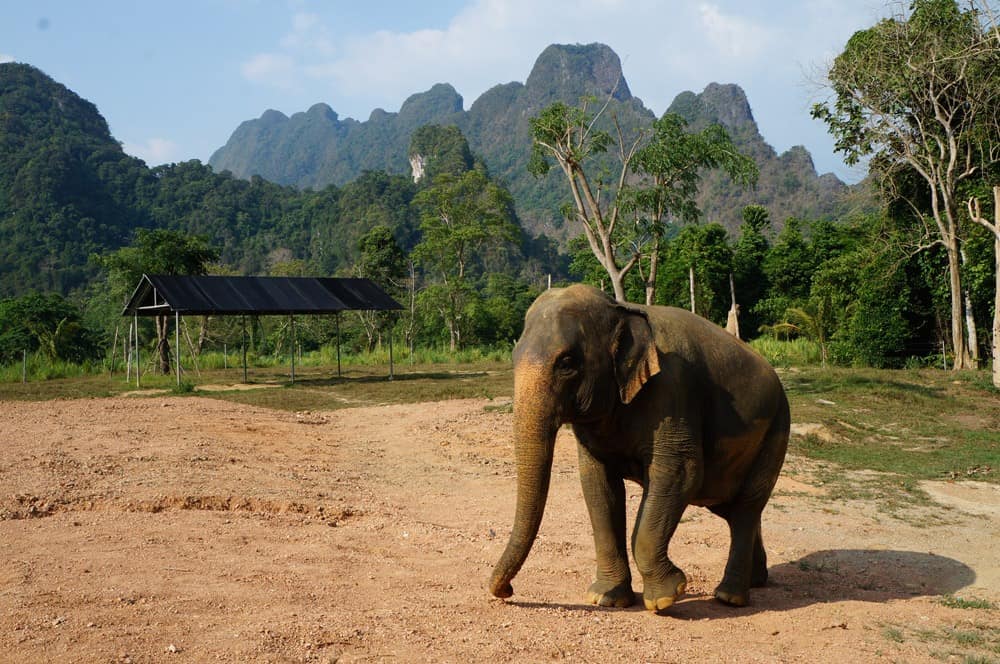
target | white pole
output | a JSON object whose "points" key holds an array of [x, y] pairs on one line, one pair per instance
{"points": [[177, 344], [137, 358], [127, 351]]}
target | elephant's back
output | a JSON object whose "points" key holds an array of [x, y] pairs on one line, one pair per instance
{"points": [[727, 365]]}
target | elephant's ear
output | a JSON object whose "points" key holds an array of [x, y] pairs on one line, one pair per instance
{"points": [[634, 351]]}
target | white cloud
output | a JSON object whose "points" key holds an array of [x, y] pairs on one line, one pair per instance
{"points": [[6, 58], [153, 150], [275, 69], [309, 35], [733, 35]]}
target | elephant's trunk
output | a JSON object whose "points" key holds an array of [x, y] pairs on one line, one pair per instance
{"points": [[535, 428]]}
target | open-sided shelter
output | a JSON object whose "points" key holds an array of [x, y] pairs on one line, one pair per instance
{"points": [[205, 295]]}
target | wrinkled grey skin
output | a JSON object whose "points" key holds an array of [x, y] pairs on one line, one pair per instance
{"points": [[659, 396]]}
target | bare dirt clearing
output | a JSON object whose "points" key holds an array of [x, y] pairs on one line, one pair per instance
{"points": [[189, 529]]}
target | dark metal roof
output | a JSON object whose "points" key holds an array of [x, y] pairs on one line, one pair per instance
{"points": [[215, 295]]}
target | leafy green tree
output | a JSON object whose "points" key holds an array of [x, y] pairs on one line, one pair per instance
{"points": [[696, 268], [624, 222], [788, 267], [750, 281], [498, 315], [910, 95], [159, 252], [461, 219], [44, 322], [671, 166], [384, 262]]}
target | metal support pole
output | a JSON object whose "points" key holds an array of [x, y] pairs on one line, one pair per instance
{"points": [[243, 345], [291, 318], [24, 365], [177, 344], [391, 368], [137, 350], [128, 354], [338, 343]]}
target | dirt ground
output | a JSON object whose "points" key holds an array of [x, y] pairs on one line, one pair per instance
{"points": [[195, 530]]}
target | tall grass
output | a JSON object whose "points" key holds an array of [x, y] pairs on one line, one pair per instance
{"points": [[794, 352], [40, 368]]}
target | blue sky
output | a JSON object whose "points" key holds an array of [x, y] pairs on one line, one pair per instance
{"points": [[174, 79]]}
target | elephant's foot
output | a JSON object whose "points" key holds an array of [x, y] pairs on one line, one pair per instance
{"points": [[758, 579], [609, 593], [731, 595], [660, 595]]}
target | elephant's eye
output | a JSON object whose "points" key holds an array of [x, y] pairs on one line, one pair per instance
{"points": [[567, 364]]}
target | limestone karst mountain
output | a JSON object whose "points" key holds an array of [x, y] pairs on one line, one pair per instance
{"points": [[316, 148]]}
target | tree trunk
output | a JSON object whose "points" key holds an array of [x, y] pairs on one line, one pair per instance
{"points": [[691, 286], [959, 348], [996, 289], [733, 319], [994, 228], [970, 321], [654, 259], [163, 343]]}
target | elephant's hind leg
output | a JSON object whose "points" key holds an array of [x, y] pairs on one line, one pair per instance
{"points": [[747, 563], [758, 567]]}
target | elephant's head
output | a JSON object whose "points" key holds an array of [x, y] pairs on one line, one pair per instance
{"points": [[581, 355]]}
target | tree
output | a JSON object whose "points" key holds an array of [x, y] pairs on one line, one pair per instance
{"points": [[157, 252], [382, 261], [750, 282], [696, 267], [461, 218], [671, 166], [655, 181], [976, 214], [910, 95], [44, 322]]}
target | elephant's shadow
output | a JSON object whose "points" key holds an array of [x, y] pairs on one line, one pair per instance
{"points": [[829, 576]]}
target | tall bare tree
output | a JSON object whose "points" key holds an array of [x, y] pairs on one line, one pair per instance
{"points": [[910, 94], [654, 181]]}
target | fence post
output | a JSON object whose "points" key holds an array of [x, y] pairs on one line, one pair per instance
{"points": [[24, 365]]}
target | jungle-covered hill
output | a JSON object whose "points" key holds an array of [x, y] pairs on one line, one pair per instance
{"points": [[68, 191], [316, 148]]}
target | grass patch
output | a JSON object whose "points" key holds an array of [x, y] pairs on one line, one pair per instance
{"points": [[972, 642], [893, 634], [911, 424], [953, 602]]}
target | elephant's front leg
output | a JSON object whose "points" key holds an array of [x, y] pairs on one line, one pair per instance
{"points": [[604, 493], [673, 478]]}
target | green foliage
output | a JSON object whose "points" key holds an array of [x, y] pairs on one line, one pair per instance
{"points": [[674, 161], [749, 279], [443, 149], [463, 219], [46, 323], [704, 248]]}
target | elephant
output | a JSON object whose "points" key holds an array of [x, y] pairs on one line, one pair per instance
{"points": [[659, 396]]}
